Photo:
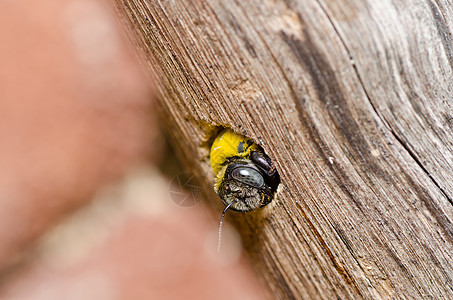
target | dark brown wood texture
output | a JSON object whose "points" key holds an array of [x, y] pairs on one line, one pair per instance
{"points": [[352, 99]]}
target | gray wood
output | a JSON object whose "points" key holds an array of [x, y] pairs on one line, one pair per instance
{"points": [[353, 102]]}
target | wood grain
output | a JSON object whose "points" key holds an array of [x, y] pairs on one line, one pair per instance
{"points": [[353, 102]]}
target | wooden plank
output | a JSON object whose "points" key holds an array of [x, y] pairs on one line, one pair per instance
{"points": [[352, 100]]}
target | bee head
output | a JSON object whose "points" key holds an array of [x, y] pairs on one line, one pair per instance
{"points": [[245, 184]]}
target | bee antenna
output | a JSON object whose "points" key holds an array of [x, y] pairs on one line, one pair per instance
{"points": [[219, 240]]}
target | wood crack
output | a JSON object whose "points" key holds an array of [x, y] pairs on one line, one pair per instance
{"points": [[379, 116]]}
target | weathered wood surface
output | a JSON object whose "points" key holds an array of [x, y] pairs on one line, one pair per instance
{"points": [[352, 99]]}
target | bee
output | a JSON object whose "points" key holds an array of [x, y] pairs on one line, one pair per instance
{"points": [[245, 179]]}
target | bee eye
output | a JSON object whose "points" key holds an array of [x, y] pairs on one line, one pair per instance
{"points": [[248, 176]]}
